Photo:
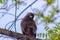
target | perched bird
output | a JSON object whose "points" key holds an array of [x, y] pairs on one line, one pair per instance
{"points": [[28, 25]]}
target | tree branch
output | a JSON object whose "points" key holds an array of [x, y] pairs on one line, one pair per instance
{"points": [[15, 35]]}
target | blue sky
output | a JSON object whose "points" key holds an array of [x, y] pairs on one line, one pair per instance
{"points": [[7, 18]]}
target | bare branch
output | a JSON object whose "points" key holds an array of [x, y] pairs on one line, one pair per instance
{"points": [[14, 34], [2, 8], [6, 13], [26, 9]]}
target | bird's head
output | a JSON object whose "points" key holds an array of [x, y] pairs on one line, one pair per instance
{"points": [[29, 16]]}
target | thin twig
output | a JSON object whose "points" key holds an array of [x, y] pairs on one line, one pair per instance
{"points": [[2, 8], [57, 3], [15, 14], [8, 23], [11, 22], [3, 13], [26, 9]]}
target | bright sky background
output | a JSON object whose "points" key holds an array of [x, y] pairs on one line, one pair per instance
{"points": [[7, 18]]}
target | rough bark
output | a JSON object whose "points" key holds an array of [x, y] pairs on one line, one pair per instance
{"points": [[15, 35]]}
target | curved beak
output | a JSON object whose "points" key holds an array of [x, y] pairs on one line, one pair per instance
{"points": [[30, 16]]}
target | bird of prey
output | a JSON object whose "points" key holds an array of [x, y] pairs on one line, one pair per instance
{"points": [[28, 25]]}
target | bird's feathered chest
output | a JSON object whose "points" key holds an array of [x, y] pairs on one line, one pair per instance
{"points": [[28, 22]]}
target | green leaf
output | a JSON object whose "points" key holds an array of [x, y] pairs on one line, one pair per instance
{"points": [[52, 15], [43, 35], [49, 2], [46, 35], [39, 35], [46, 19], [46, 28], [50, 31], [39, 14], [0, 1], [55, 9]]}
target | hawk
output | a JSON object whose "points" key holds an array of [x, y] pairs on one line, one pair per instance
{"points": [[28, 25]]}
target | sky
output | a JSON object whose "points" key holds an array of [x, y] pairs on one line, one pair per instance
{"points": [[9, 16]]}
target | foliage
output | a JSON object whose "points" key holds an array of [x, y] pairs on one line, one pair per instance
{"points": [[54, 32], [0, 1], [49, 2], [47, 19]]}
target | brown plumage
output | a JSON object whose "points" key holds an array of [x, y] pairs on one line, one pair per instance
{"points": [[28, 25]]}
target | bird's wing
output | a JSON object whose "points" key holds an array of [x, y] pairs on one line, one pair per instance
{"points": [[23, 26], [32, 25]]}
